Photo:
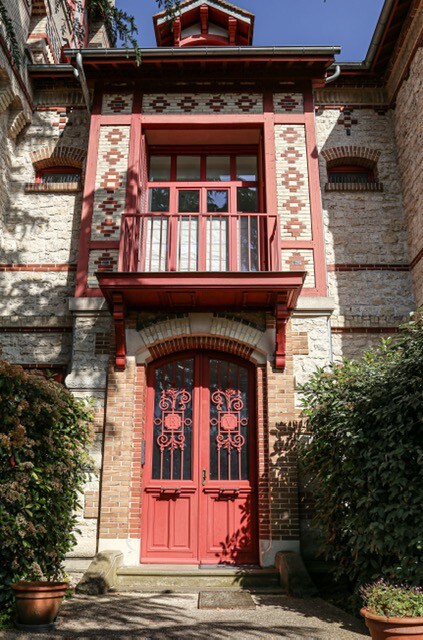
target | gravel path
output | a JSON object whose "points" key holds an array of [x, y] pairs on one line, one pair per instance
{"points": [[165, 616]]}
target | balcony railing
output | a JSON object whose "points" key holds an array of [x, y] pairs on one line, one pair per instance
{"points": [[211, 242]]}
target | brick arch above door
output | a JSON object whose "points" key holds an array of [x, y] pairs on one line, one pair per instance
{"points": [[238, 337]]}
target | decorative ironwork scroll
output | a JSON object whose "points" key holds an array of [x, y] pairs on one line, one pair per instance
{"points": [[229, 405], [173, 404]]}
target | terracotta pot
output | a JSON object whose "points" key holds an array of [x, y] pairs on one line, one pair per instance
{"points": [[383, 628], [38, 603]]}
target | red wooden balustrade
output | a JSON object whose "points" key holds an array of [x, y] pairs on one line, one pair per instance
{"points": [[212, 242]]}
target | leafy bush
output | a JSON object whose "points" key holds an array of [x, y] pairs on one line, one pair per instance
{"points": [[384, 599], [365, 458], [44, 438]]}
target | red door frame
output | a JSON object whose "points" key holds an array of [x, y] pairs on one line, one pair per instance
{"points": [[200, 454]]}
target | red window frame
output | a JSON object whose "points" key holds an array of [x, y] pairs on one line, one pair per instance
{"points": [[352, 169], [202, 184], [55, 170]]}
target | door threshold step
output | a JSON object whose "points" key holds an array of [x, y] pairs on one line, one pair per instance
{"points": [[159, 578], [270, 591]]}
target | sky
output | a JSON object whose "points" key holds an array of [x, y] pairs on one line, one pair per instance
{"points": [[348, 23]]}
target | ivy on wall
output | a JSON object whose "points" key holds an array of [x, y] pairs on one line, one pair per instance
{"points": [[120, 25]]}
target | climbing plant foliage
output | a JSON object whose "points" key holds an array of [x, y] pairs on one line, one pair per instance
{"points": [[44, 462], [120, 25], [365, 458]]}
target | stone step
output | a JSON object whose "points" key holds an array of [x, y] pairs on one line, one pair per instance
{"points": [[156, 578], [77, 565]]}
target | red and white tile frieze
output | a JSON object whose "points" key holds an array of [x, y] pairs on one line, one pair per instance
{"points": [[207, 103], [117, 103], [110, 184], [101, 260], [288, 102]]}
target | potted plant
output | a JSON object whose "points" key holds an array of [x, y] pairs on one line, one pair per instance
{"points": [[393, 611], [44, 439]]}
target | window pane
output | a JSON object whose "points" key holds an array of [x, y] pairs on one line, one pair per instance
{"points": [[217, 200], [189, 201], [188, 168], [218, 168], [247, 200], [246, 168], [159, 199], [159, 168], [60, 177]]}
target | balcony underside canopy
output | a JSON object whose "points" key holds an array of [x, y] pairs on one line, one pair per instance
{"points": [[276, 291]]}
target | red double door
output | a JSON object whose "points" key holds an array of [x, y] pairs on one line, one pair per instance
{"points": [[199, 499]]}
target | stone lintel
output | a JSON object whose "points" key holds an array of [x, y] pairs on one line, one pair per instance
{"points": [[87, 305], [311, 306]]}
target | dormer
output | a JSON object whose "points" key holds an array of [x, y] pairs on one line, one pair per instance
{"points": [[205, 23]]}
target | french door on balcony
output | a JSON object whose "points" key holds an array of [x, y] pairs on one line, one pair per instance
{"points": [[199, 502], [203, 215]]}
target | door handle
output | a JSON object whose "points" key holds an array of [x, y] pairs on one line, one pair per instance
{"points": [[203, 477]]}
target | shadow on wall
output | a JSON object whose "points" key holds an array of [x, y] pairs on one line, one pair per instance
{"points": [[37, 229], [365, 231]]}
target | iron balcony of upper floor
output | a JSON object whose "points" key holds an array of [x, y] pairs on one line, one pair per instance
{"points": [[200, 261]]}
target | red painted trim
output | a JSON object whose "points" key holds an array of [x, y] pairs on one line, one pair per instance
{"points": [[38, 266], [88, 197], [270, 177], [117, 119], [417, 259], [134, 159], [104, 244], [315, 197]]}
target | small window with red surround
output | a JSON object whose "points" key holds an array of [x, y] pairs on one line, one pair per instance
{"points": [[58, 175], [350, 174]]}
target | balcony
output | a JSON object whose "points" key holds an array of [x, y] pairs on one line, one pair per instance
{"points": [[200, 262], [217, 242]]}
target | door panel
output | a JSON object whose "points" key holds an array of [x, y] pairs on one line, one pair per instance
{"points": [[199, 478]]}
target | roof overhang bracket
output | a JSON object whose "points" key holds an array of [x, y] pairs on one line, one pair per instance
{"points": [[281, 317], [118, 312]]}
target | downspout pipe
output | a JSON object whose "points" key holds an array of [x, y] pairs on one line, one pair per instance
{"points": [[79, 73], [334, 76]]}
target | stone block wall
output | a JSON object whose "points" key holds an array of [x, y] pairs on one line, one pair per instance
{"points": [[365, 231], [408, 121]]}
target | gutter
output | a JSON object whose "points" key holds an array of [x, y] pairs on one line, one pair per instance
{"points": [[79, 73], [198, 52]]}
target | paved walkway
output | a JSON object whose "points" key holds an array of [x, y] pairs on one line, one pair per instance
{"points": [[166, 616]]}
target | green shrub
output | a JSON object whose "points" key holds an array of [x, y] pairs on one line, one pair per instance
{"points": [[44, 439], [365, 458], [384, 599]]}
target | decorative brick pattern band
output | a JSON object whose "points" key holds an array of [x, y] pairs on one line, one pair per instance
{"points": [[110, 185], [37, 266], [375, 330], [292, 182], [367, 267], [300, 260], [353, 186], [339, 155], [14, 329], [288, 103], [57, 156], [114, 103], [101, 260], [185, 103], [215, 343], [53, 187]]}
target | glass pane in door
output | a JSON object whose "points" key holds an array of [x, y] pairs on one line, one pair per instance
{"points": [[247, 199], [248, 243], [229, 421], [217, 200], [218, 168], [189, 201], [159, 199], [172, 422]]}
